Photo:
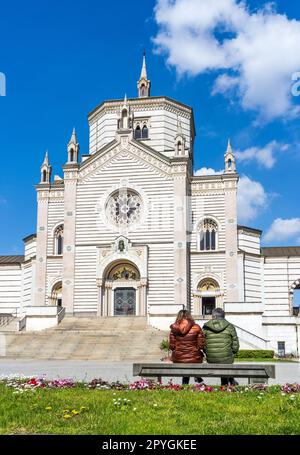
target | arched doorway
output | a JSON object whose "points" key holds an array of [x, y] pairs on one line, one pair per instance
{"points": [[207, 297], [56, 294], [124, 293], [124, 297]]}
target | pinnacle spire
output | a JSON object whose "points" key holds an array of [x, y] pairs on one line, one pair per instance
{"points": [[229, 149], [73, 139], [143, 83], [46, 170], [46, 159], [144, 69], [229, 159]]}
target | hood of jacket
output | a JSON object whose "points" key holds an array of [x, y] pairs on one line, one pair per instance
{"points": [[216, 325], [182, 328]]}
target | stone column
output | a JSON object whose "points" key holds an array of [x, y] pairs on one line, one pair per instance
{"points": [[101, 295], [181, 238], [108, 298], [230, 188], [143, 295], [70, 180], [43, 194], [197, 305]]}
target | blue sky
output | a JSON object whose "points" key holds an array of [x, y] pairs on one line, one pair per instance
{"points": [[61, 59]]}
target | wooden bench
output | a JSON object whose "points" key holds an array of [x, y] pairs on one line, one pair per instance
{"points": [[256, 373]]}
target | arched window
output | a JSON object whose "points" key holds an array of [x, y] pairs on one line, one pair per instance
{"points": [[208, 232], [71, 155], [59, 240], [295, 293], [143, 90], [44, 176], [179, 146], [138, 132], [145, 132]]}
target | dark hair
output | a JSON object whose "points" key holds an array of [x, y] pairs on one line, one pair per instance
{"points": [[184, 314], [218, 313]]}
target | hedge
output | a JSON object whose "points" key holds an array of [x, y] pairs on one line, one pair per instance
{"points": [[255, 354]]}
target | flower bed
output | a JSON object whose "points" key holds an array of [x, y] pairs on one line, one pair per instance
{"points": [[22, 384]]}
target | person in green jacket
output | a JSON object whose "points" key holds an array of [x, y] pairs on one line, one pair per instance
{"points": [[221, 341]]}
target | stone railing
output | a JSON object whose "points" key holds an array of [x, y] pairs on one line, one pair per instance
{"points": [[251, 339], [7, 315]]}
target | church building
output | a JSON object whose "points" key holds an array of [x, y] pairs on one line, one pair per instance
{"points": [[129, 230]]}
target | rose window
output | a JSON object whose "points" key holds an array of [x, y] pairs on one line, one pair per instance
{"points": [[124, 208]]}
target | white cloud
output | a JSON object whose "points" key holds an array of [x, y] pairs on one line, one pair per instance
{"points": [[251, 199], [207, 171], [255, 53], [265, 156], [283, 229]]}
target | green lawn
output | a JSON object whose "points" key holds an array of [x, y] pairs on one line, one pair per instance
{"points": [[149, 412], [275, 360]]}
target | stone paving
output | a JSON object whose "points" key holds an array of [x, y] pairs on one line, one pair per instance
{"points": [[113, 371]]}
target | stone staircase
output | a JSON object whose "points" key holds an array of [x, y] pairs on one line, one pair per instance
{"points": [[104, 339]]}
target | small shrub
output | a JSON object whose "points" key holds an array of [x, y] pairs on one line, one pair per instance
{"points": [[164, 345], [255, 354]]}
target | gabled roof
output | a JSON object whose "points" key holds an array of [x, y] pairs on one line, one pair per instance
{"points": [[107, 147], [279, 251], [11, 259]]}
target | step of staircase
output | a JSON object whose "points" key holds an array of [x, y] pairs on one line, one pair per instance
{"points": [[103, 339]]}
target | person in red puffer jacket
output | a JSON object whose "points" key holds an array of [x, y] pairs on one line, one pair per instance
{"points": [[186, 341]]}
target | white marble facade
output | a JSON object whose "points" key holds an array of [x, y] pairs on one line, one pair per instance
{"points": [[129, 230]]}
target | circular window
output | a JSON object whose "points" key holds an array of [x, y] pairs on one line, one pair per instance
{"points": [[124, 207]]}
